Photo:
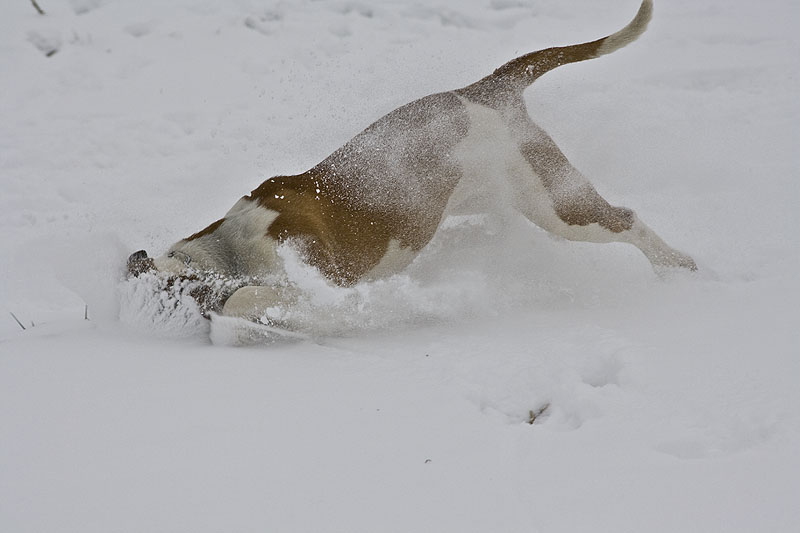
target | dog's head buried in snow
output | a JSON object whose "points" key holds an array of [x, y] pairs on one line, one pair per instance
{"points": [[368, 209]]}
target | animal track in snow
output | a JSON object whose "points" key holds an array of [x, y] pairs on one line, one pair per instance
{"points": [[263, 23], [47, 42], [138, 29], [565, 378], [605, 368]]}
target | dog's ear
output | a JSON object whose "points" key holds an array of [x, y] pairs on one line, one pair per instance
{"points": [[139, 263]]}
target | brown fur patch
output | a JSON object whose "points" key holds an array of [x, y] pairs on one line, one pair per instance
{"points": [[589, 207], [391, 182], [506, 83], [341, 242], [579, 207]]}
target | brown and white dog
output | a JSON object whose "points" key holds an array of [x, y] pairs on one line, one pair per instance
{"points": [[367, 210]]}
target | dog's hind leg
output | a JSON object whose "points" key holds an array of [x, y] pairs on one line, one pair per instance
{"points": [[557, 197]]}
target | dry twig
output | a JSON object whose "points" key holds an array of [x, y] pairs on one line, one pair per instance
{"points": [[533, 415], [38, 9], [17, 319]]}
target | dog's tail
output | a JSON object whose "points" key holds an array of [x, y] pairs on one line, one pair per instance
{"points": [[524, 70]]}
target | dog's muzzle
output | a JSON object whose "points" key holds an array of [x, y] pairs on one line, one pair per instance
{"points": [[208, 295], [139, 263]]}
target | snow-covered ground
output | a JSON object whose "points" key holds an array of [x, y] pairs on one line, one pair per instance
{"points": [[673, 405]]}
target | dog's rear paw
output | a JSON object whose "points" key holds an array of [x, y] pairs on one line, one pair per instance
{"points": [[671, 261], [686, 262]]}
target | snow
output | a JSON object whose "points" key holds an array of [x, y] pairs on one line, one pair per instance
{"points": [[672, 403]]}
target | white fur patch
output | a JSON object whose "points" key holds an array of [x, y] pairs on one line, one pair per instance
{"points": [[484, 156], [498, 179], [629, 33], [239, 245], [496, 176], [252, 302]]}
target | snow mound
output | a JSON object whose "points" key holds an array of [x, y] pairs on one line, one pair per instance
{"points": [[155, 304]]}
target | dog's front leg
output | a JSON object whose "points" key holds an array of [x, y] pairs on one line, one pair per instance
{"points": [[254, 302]]}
